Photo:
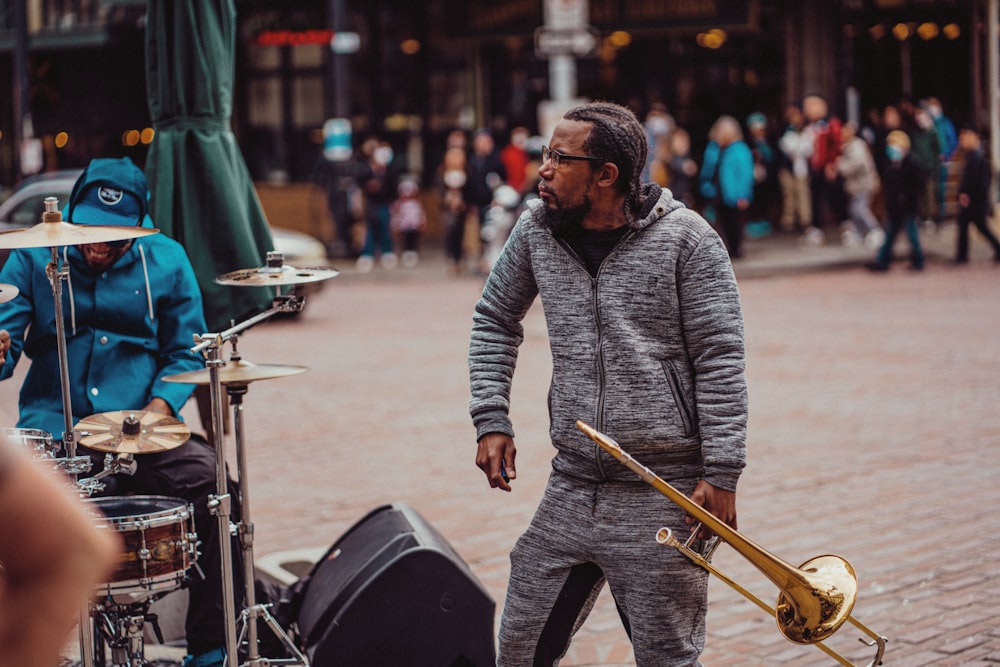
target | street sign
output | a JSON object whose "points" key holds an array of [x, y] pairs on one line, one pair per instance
{"points": [[345, 42], [579, 42]]}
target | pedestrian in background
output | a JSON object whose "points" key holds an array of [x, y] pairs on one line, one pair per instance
{"points": [[861, 181], [824, 189], [796, 147], [903, 182], [765, 175], [948, 139], [974, 196], [450, 180], [515, 159], [377, 178], [927, 152], [682, 170], [408, 219], [727, 180]]}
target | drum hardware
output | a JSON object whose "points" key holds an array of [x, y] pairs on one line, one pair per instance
{"points": [[239, 376], [814, 600], [159, 549], [121, 628]]}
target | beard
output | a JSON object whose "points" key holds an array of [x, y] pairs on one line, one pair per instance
{"points": [[566, 221]]}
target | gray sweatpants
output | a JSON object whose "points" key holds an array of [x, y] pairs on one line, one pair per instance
{"points": [[584, 534]]}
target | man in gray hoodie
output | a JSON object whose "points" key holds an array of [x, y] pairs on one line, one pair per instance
{"points": [[646, 333]]}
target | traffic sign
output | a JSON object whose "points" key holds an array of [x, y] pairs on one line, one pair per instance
{"points": [[579, 42], [345, 42]]}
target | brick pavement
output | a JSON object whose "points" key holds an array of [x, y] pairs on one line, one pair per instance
{"points": [[872, 435]]}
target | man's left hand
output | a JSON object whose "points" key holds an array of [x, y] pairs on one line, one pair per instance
{"points": [[722, 505], [159, 406]]}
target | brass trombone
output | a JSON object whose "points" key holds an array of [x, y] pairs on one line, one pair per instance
{"points": [[814, 599]]}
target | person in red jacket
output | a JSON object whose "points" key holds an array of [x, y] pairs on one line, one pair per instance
{"points": [[824, 187]]}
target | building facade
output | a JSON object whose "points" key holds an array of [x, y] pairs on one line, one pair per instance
{"points": [[413, 71]]}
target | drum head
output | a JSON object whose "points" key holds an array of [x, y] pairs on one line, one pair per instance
{"points": [[140, 509]]}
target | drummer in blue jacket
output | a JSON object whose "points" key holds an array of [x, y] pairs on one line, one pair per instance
{"points": [[130, 309]]}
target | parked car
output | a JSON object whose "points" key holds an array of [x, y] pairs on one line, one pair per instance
{"points": [[23, 208]]}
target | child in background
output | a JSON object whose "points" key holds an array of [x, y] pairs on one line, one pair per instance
{"points": [[408, 219]]}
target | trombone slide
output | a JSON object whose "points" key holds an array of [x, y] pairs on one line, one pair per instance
{"points": [[814, 599]]}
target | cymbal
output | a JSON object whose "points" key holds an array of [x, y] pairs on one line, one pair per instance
{"points": [[131, 432], [238, 372], [8, 292], [276, 276], [50, 234]]}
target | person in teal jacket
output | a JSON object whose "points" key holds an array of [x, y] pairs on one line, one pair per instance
{"points": [[130, 310], [727, 180]]}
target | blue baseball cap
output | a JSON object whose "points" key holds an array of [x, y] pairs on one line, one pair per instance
{"points": [[110, 191]]}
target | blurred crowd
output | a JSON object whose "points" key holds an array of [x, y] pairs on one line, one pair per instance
{"points": [[901, 170]]}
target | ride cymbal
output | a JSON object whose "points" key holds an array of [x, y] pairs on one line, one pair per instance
{"points": [[276, 276], [237, 373], [131, 432], [59, 233]]}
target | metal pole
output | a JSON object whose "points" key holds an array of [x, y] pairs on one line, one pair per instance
{"points": [[22, 112], [221, 503], [993, 84]]}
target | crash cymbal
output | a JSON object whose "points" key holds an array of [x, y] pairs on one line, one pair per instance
{"points": [[275, 276], [8, 292], [59, 233], [131, 432], [237, 372]]}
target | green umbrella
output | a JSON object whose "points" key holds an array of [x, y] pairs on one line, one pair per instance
{"points": [[202, 194]]}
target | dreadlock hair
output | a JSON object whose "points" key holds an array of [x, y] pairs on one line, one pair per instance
{"points": [[618, 137]]}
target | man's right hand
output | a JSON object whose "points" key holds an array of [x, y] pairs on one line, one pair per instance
{"points": [[4, 345], [496, 458]]}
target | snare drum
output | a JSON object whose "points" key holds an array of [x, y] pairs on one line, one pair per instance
{"points": [[159, 544], [38, 442]]}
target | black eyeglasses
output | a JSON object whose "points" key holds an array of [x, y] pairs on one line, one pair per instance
{"points": [[557, 158]]}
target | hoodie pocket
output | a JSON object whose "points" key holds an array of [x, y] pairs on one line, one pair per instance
{"points": [[684, 408]]}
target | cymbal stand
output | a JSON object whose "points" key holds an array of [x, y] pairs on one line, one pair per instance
{"points": [[220, 504], [57, 272]]}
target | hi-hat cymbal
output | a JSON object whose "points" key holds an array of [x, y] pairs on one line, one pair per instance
{"points": [[8, 292], [131, 432], [51, 234], [238, 372], [276, 276]]}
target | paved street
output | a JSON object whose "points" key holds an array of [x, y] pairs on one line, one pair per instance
{"points": [[873, 435]]}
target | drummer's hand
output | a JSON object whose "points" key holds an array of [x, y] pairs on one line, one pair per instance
{"points": [[159, 406], [4, 345], [496, 458]]}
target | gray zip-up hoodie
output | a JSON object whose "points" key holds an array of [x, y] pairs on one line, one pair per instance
{"points": [[651, 351]]}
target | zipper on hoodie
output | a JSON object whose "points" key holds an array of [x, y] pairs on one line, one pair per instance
{"points": [[598, 418]]}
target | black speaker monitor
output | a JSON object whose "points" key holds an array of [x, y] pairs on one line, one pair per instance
{"points": [[391, 591]]}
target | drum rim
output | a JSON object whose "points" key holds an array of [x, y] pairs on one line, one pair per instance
{"points": [[178, 512], [17, 430]]}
